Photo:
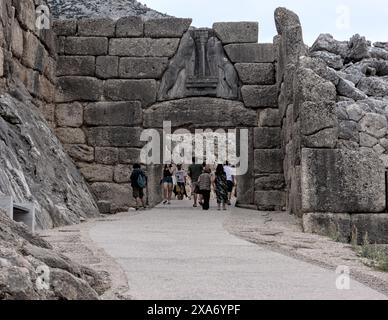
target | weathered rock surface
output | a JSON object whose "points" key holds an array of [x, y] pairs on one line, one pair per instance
{"points": [[71, 9], [342, 181], [35, 168], [31, 270]]}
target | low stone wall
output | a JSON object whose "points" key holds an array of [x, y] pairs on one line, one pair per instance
{"points": [[27, 54]]}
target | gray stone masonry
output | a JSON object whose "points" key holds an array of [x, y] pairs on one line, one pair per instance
{"points": [[251, 52], [109, 74], [237, 32]]}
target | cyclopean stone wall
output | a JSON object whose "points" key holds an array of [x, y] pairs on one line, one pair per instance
{"points": [[331, 130], [34, 168], [27, 54], [316, 116], [117, 77]]}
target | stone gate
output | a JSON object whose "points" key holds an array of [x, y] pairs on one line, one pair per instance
{"points": [[117, 77], [316, 116]]}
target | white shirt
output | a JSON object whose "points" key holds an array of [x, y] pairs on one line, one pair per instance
{"points": [[180, 176], [229, 173]]}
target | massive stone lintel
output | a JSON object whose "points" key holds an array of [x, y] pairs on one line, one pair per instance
{"points": [[200, 68], [200, 112]]}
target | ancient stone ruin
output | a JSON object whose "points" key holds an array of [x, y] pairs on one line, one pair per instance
{"points": [[75, 99]]}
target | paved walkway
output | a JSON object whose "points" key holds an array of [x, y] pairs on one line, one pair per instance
{"points": [[178, 252]]}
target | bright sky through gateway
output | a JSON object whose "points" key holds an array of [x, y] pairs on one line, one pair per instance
{"points": [[341, 18]]}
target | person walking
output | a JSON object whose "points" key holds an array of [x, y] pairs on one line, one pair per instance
{"points": [[138, 182], [221, 187], [230, 178], [195, 170], [180, 176], [204, 183], [167, 183]]}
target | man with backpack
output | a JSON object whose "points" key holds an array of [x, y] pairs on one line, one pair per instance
{"points": [[138, 182]]}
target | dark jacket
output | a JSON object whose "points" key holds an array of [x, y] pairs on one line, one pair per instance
{"points": [[135, 175]]}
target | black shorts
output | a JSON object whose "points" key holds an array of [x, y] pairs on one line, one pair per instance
{"points": [[138, 193], [230, 186]]}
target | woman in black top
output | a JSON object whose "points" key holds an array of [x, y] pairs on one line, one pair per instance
{"points": [[167, 183]]}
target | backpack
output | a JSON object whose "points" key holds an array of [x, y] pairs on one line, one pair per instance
{"points": [[141, 180]]}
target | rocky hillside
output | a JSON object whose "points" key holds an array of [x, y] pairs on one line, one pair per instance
{"points": [[35, 168], [75, 9], [359, 70], [31, 270]]}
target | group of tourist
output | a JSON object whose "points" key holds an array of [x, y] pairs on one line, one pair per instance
{"points": [[222, 181], [202, 180]]}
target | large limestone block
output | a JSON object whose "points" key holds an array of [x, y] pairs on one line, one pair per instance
{"points": [[114, 137], [260, 96], [96, 172], [25, 13], [237, 32], [166, 27], [80, 152], [270, 200], [33, 52], [113, 114], [269, 118], [66, 27], [93, 46], [129, 155], [268, 161], [347, 89], [118, 195], [69, 115], [285, 19], [311, 87], [374, 124], [99, 27], [251, 52], [374, 86], [76, 66], [17, 39], [70, 135], [202, 112], [342, 181], [143, 47], [131, 26], [256, 73], [75, 88], [326, 138], [270, 182], [107, 67], [267, 138], [142, 68], [107, 155], [122, 173], [124, 90], [317, 116], [46, 90]]}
